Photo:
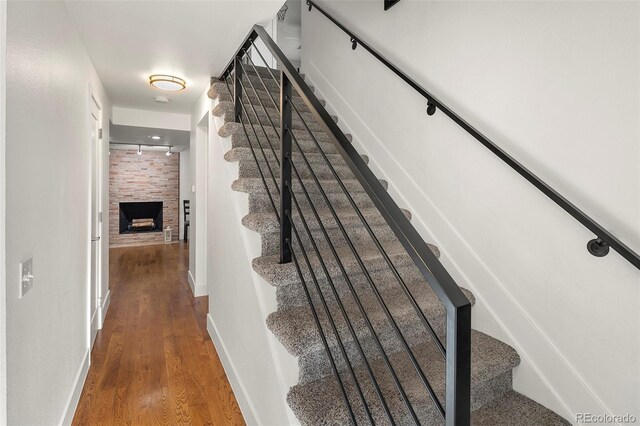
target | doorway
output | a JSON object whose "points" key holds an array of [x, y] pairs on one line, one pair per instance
{"points": [[95, 149]]}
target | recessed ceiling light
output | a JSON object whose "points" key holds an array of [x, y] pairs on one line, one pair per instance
{"points": [[155, 137], [167, 82]]}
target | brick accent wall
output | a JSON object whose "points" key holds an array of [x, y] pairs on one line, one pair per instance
{"points": [[152, 176]]}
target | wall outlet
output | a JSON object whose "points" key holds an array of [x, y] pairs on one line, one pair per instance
{"points": [[26, 277]]}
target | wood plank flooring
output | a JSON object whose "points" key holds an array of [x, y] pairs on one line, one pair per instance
{"points": [[153, 362]]}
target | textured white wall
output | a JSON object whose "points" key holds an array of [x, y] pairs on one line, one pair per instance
{"points": [[156, 119], [555, 84], [197, 222], [49, 77], [258, 367], [185, 185], [3, 306]]}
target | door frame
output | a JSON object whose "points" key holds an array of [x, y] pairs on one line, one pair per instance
{"points": [[3, 260], [96, 316]]}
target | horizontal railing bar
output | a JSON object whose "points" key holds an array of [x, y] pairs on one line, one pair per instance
{"points": [[600, 232]]}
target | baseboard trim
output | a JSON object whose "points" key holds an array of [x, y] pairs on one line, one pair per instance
{"points": [[197, 289], [239, 390], [74, 395], [104, 308]]}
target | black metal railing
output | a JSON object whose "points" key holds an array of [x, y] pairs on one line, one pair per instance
{"points": [[599, 246], [454, 406]]}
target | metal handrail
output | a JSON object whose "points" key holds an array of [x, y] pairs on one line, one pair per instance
{"points": [[458, 307], [598, 246]]}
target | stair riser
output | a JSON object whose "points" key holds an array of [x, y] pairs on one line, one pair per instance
{"points": [[263, 121], [292, 295], [248, 169], [271, 121], [310, 345], [259, 201], [272, 86], [266, 99], [220, 91], [280, 275], [273, 156], [230, 128], [358, 236], [240, 140], [265, 110]]}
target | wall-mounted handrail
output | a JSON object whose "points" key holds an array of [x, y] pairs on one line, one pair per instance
{"points": [[457, 306], [598, 246]]}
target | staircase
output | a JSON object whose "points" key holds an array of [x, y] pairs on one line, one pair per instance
{"points": [[355, 310]]}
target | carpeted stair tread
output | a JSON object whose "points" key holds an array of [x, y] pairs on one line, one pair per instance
{"points": [[329, 186], [269, 268], [320, 402], [295, 327], [314, 158], [513, 408], [266, 222], [256, 118]]}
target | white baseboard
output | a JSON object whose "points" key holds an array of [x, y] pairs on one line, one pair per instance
{"points": [[105, 307], [94, 326], [76, 390], [239, 390], [197, 289]]}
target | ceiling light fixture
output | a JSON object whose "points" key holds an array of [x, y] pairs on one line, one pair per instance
{"points": [[155, 138], [139, 149], [167, 82], [169, 152]]}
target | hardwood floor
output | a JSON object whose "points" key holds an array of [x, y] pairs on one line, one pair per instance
{"points": [[153, 362]]}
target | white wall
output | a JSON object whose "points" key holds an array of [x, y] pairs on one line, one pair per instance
{"points": [[185, 185], [3, 305], [156, 119], [197, 223], [49, 77], [555, 84], [258, 367]]}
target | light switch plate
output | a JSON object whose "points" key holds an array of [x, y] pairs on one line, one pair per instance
{"points": [[26, 277]]}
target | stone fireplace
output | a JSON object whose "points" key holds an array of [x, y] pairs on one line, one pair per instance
{"points": [[143, 196]]}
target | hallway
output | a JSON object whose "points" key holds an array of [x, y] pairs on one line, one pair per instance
{"points": [[153, 362]]}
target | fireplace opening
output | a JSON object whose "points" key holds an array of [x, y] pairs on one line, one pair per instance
{"points": [[143, 216]]}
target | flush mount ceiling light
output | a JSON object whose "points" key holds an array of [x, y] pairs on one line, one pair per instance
{"points": [[167, 82], [155, 138]]}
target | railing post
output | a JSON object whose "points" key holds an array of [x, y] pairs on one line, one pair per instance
{"points": [[285, 168], [458, 381], [237, 88]]}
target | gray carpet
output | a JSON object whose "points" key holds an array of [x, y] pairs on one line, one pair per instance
{"points": [[350, 286]]}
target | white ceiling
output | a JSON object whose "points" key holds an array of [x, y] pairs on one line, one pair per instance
{"points": [[130, 40]]}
